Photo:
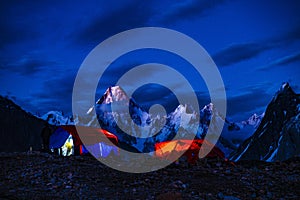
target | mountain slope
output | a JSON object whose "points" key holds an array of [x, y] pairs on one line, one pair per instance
{"points": [[235, 133], [113, 94], [278, 135], [252, 121], [19, 130], [57, 118]]}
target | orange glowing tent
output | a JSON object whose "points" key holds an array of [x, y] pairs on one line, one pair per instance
{"points": [[171, 150]]}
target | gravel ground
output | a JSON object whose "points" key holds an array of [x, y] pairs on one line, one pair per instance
{"points": [[42, 176]]}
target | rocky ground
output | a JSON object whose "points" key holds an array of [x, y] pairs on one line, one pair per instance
{"points": [[42, 176]]}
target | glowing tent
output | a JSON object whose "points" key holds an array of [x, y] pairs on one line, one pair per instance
{"points": [[171, 150], [99, 141]]}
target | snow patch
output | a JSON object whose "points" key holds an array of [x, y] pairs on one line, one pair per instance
{"points": [[57, 118], [242, 153], [270, 159]]}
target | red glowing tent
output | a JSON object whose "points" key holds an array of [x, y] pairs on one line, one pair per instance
{"points": [[88, 136], [171, 150]]}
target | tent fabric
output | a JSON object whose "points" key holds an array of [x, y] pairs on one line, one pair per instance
{"points": [[90, 137], [171, 150], [83, 150], [58, 138], [102, 149]]}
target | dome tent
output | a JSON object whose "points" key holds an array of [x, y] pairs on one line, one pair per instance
{"points": [[189, 148], [95, 139]]}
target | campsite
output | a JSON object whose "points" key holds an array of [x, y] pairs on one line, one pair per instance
{"points": [[78, 175], [65, 141]]}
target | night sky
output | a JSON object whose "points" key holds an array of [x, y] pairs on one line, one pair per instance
{"points": [[255, 45]]}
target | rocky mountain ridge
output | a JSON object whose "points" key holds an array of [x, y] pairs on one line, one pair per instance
{"points": [[278, 135]]}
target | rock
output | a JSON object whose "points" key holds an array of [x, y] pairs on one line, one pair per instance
{"points": [[230, 198], [169, 195], [269, 195], [220, 195], [253, 195]]}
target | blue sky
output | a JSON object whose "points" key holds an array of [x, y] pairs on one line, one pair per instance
{"points": [[255, 45]]}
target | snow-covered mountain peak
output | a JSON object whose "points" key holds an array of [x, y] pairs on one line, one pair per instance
{"points": [[57, 118], [285, 86], [113, 94], [284, 90], [209, 107], [180, 109], [206, 113], [182, 116], [254, 120]]}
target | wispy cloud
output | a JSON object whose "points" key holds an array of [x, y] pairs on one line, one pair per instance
{"points": [[28, 65], [290, 36], [56, 94], [283, 61], [188, 9], [131, 15], [252, 101], [239, 52]]}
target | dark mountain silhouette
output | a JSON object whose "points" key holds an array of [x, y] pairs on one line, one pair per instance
{"points": [[19, 130], [278, 135]]}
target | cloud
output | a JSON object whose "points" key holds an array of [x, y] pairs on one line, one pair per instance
{"points": [[239, 52], [289, 37], [151, 94], [252, 101], [283, 61], [153, 91], [115, 71], [188, 9], [131, 15], [56, 94], [28, 65]]}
